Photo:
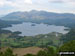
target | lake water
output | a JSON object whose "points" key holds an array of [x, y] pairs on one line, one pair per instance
{"points": [[31, 29]]}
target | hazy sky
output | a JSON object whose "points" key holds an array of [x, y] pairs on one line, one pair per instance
{"points": [[63, 6]]}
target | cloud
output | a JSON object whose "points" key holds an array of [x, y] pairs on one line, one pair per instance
{"points": [[56, 1], [66, 3], [18, 3], [15, 2], [62, 1], [28, 1], [48, 5], [1, 3]]}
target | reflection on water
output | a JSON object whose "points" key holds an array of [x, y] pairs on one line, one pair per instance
{"points": [[31, 29]]}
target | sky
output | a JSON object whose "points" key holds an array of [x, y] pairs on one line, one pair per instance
{"points": [[58, 6]]}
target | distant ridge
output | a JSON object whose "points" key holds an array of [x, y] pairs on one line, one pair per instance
{"points": [[41, 17]]}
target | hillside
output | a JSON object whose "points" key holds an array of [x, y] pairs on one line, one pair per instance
{"points": [[24, 51], [65, 19]]}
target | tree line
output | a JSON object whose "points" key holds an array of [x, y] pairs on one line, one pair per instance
{"points": [[49, 51]]}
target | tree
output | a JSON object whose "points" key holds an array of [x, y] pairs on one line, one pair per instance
{"points": [[70, 46], [29, 55], [1, 54], [41, 53], [9, 52], [69, 36], [51, 51]]}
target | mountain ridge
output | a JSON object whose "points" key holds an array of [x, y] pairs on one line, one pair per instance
{"points": [[65, 19], [37, 15]]}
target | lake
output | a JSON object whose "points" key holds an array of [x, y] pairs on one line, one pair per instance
{"points": [[31, 29]]}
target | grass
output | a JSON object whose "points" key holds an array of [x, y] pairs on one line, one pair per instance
{"points": [[23, 51]]}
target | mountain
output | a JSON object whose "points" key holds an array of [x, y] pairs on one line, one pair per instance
{"points": [[4, 24], [2, 16], [42, 17]]}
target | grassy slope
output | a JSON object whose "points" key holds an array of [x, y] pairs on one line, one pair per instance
{"points": [[23, 51]]}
